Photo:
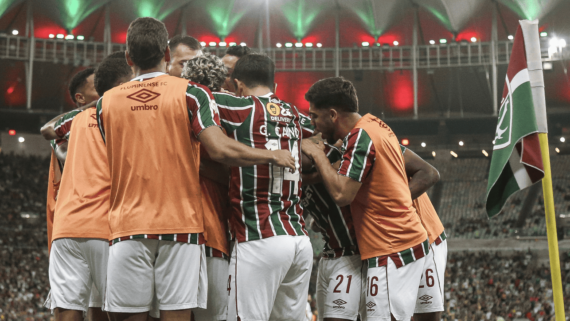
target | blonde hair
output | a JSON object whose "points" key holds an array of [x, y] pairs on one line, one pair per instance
{"points": [[207, 70]]}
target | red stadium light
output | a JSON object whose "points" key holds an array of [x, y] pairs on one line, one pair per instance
{"points": [[12, 132], [10, 89], [405, 142]]}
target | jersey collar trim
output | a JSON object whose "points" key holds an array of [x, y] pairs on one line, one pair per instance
{"points": [[149, 75]]}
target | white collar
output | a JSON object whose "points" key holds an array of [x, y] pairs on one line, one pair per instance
{"points": [[148, 76], [269, 94]]}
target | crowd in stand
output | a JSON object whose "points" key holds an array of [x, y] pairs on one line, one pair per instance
{"points": [[479, 286]]}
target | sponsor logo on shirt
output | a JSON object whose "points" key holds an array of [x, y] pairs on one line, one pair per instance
{"points": [[370, 306], [144, 107], [278, 114], [339, 304], [426, 298], [143, 95]]}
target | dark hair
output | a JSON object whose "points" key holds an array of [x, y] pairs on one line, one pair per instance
{"points": [[147, 40], [333, 92], [78, 81], [188, 41], [255, 70], [110, 70], [207, 70], [238, 51]]}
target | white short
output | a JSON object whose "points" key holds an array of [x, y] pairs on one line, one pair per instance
{"points": [[95, 299], [171, 274], [217, 291], [430, 293], [389, 290], [269, 278], [339, 287], [75, 266]]}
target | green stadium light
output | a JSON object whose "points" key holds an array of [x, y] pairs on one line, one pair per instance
{"points": [[69, 37], [442, 40], [309, 44], [60, 36], [365, 44], [222, 44], [288, 45], [212, 44], [298, 44], [80, 38], [232, 44], [544, 34]]}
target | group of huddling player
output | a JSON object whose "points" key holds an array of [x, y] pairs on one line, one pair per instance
{"points": [[173, 154]]}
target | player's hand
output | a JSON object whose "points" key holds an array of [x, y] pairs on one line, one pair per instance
{"points": [[312, 146], [283, 158]]}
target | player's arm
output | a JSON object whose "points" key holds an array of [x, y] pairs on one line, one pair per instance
{"points": [[60, 150], [48, 130], [422, 174]]}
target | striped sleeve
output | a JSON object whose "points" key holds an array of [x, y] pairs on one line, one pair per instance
{"points": [[403, 148], [63, 126], [55, 143], [100, 118], [202, 108], [233, 110], [358, 155], [306, 128]]}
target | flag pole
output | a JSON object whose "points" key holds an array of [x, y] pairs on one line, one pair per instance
{"points": [[551, 230]]}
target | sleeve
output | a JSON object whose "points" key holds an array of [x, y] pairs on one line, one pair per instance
{"points": [[358, 155], [202, 108], [62, 127], [403, 148], [55, 143], [306, 128], [100, 118], [233, 110]]}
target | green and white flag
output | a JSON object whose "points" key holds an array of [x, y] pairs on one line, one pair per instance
{"points": [[516, 162]]}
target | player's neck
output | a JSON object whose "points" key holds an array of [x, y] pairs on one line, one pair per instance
{"points": [[347, 123], [256, 91], [161, 67]]}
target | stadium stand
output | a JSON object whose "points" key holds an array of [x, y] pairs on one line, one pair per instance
{"points": [[479, 285]]}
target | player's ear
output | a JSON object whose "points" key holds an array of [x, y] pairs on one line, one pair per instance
{"points": [[167, 54], [275, 88], [333, 113], [80, 99], [129, 61], [240, 87]]}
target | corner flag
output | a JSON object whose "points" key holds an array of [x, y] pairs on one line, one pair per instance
{"points": [[516, 162]]}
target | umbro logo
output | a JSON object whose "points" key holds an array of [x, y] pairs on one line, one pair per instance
{"points": [[143, 95], [339, 304], [426, 298], [370, 306]]}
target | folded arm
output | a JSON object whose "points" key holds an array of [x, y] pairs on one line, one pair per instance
{"points": [[422, 175]]}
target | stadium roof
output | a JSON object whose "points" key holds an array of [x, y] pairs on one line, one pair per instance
{"points": [[289, 20]]}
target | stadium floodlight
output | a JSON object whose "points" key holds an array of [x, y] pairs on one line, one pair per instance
{"points": [[319, 44], [243, 44], [511, 37], [15, 32], [396, 43], [423, 144], [232, 44], [473, 39], [298, 44], [202, 43], [562, 139], [442, 40], [557, 150], [432, 42], [51, 35], [433, 154], [12, 132], [223, 44], [69, 37], [544, 34], [461, 143], [80, 38], [454, 154], [309, 44], [288, 44], [21, 139], [60, 36], [365, 44], [485, 153], [547, 65], [405, 142], [279, 45], [212, 43]]}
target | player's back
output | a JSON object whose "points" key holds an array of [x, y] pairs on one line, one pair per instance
{"points": [[265, 199], [153, 157]]}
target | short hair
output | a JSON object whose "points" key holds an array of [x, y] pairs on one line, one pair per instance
{"points": [[333, 92], [255, 70], [110, 70], [207, 70], [188, 41], [147, 40], [78, 81], [238, 51]]}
